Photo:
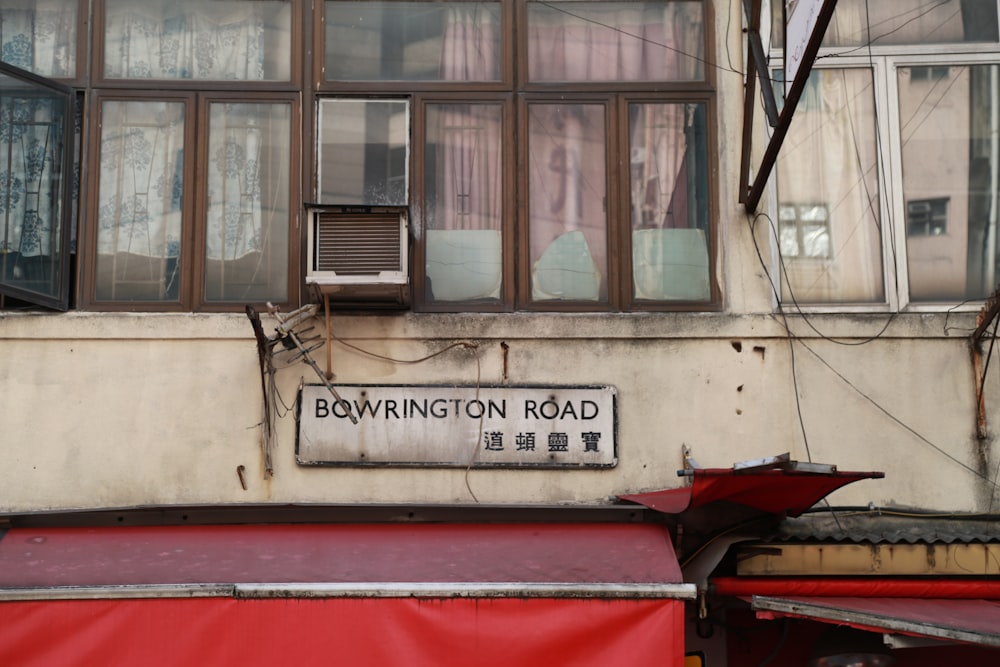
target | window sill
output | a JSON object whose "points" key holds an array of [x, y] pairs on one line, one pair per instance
{"points": [[76, 325]]}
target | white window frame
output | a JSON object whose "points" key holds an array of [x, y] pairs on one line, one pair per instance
{"points": [[884, 61]]}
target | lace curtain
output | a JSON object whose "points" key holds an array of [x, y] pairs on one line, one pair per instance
{"points": [[217, 42], [142, 178], [39, 36]]}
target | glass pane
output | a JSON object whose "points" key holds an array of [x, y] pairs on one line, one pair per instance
{"points": [[669, 202], [829, 226], [363, 152], [616, 41], [463, 202], [246, 245], [39, 36], [32, 141], [952, 200], [140, 201], [226, 40], [567, 194], [412, 41], [903, 22]]}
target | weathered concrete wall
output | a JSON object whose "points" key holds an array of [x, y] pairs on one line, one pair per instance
{"points": [[120, 410]]}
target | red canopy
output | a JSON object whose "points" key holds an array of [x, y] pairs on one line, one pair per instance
{"points": [[369, 594], [962, 620], [772, 490]]}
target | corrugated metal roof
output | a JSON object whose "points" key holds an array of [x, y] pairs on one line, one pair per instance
{"points": [[889, 527]]}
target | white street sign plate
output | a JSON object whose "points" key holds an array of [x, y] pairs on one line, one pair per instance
{"points": [[498, 426]]}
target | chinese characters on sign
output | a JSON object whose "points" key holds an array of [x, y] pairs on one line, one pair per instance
{"points": [[458, 426]]}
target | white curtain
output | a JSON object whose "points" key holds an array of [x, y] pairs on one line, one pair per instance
{"points": [[30, 147], [141, 197], [39, 36], [835, 120], [216, 41], [142, 185]]}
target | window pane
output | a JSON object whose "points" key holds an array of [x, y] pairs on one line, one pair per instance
{"points": [[412, 41], [39, 36], [227, 40], [246, 246], [567, 192], [140, 201], [669, 201], [615, 41], [904, 22], [363, 152], [32, 141], [828, 209], [951, 200], [463, 197]]}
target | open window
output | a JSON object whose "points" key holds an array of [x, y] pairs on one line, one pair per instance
{"points": [[36, 168], [358, 233]]}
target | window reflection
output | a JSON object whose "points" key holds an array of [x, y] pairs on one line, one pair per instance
{"points": [[567, 195], [827, 167], [364, 152], [953, 200], [412, 41]]}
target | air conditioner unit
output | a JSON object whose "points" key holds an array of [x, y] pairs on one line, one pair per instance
{"points": [[359, 256]]}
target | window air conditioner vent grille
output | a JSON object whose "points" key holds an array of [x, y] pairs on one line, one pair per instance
{"points": [[352, 244]]}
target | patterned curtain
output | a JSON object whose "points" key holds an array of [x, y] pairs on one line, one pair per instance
{"points": [[39, 36], [143, 184], [30, 143], [185, 42]]}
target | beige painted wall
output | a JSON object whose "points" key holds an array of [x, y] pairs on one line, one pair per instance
{"points": [[121, 410]]}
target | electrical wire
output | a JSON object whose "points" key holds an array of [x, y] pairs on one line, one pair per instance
{"points": [[460, 344], [585, 19]]}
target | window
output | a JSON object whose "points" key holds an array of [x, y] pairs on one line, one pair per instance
{"points": [[41, 36], [927, 217], [804, 230], [188, 111], [36, 150], [546, 155], [146, 249], [903, 116], [524, 191], [193, 188]]}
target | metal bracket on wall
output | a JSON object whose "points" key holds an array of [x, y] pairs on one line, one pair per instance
{"points": [[291, 336]]}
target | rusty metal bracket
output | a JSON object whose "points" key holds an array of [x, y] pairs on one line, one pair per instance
{"points": [[987, 316]]}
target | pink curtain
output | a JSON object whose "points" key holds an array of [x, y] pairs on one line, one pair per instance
{"points": [[467, 137], [616, 42]]}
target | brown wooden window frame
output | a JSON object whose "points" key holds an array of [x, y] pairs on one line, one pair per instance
{"points": [[192, 274], [515, 92]]}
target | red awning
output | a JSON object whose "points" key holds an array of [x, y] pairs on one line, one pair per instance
{"points": [[957, 620], [771, 490], [567, 554], [361, 594]]}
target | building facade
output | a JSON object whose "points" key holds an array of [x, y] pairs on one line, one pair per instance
{"points": [[555, 188]]}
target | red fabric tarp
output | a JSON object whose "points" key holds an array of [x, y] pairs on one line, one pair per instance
{"points": [[962, 620], [342, 631], [112, 619]]}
